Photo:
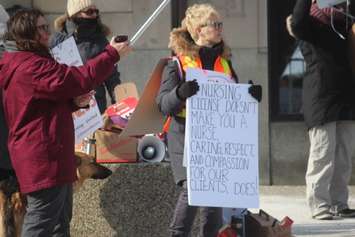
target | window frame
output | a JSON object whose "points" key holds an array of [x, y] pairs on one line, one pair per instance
{"points": [[278, 11]]}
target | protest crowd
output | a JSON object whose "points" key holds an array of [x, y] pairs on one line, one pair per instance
{"points": [[210, 126]]}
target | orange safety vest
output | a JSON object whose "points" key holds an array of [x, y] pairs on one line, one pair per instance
{"points": [[221, 65]]}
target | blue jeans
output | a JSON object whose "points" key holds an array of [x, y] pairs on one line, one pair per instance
{"points": [[49, 212]]}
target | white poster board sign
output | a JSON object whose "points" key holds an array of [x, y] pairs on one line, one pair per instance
{"points": [[222, 143], [86, 121], [328, 3]]}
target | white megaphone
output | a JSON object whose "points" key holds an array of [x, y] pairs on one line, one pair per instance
{"points": [[151, 149]]}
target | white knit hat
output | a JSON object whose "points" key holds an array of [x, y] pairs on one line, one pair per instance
{"points": [[75, 6]]}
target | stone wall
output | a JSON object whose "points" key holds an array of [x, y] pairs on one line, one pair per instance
{"points": [[137, 200]]}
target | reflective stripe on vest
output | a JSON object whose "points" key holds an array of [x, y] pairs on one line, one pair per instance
{"points": [[220, 65]]}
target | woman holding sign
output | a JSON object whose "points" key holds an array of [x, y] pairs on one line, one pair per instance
{"points": [[198, 43], [38, 104]]}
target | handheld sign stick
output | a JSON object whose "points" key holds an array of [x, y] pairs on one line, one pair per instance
{"points": [[141, 30]]}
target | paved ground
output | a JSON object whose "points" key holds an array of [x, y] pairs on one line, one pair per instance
{"points": [[290, 200]]}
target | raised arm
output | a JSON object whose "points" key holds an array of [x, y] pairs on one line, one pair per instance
{"points": [[301, 23], [55, 81]]}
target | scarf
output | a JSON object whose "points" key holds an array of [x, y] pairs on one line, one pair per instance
{"points": [[87, 28], [208, 55], [324, 15]]}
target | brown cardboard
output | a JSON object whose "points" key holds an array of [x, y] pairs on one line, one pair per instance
{"points": [[111, 148], [147, 119], [125, 90]]}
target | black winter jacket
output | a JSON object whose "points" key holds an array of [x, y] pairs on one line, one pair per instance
{"points": [[328, 85], [89, 44]]}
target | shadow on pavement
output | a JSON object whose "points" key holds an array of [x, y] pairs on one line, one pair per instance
{"points": [[325, 229]]}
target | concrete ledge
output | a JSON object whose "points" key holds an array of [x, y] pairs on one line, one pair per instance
{"points": [[136, 200], [289, 160]]}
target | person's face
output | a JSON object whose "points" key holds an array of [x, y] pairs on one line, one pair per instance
{"points": [[89, 13], [211, 32], [43, 31]]}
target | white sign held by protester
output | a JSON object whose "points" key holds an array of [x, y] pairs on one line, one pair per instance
{"points": [[328, 3], [86, 121], [222, 143]]}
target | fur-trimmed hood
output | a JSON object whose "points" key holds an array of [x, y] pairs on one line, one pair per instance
{"points": [[59, 25], [182, 43]]}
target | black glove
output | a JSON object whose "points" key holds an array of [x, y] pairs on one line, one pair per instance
{"points": [[187, 89], [255, 91]]}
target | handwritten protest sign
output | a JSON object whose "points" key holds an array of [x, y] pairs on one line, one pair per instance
{"points": [[67, 53], [328, 3], [222, 143], [86, 121]]}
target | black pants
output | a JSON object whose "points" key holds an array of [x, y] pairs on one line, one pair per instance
{"points": [[49, 212], [184, 216]]}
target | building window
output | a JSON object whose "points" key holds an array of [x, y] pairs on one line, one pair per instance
{"points": [[290, 85], [286, 65], [178, 8]]}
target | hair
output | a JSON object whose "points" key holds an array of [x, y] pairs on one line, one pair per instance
{"points": [[196, 16], [183, 39], [22, 28]]}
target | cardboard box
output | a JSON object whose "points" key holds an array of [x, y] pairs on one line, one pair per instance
{"points": [[111, 148], [126, 90]]}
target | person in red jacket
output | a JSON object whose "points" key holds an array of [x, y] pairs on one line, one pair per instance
{"points": [[39, 96]]}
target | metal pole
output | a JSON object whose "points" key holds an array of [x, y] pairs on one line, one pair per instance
{"points": [[148, 22]]}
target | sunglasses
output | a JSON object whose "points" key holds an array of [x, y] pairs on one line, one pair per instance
{"points": [[214, 24], [91, 12], [44, 28]]}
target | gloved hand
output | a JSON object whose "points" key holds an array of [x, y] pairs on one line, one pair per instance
{"points": [[255, 91], [187, 89]]}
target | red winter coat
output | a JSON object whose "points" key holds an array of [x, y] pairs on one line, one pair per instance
{"points": [[38, 105]]}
